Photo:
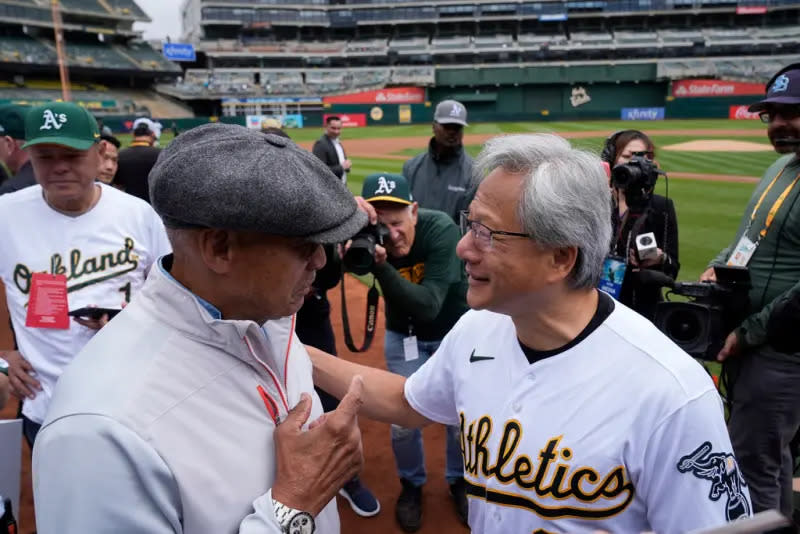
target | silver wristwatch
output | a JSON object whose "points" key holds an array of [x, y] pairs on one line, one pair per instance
{"points": [[293, 521]]}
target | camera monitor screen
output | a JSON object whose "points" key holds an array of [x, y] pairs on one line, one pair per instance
{"points": [[731, 275]]}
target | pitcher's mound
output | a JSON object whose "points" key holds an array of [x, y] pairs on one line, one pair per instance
{"points": [[719, 145]]}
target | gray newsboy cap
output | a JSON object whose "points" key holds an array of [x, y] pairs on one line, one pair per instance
{"points": [[229, 177]]}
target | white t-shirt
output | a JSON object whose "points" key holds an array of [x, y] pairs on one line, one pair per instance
{"points": [[105, 254], [618, 431], [340, 152]]}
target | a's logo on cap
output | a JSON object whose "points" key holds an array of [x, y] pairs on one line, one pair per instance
{"points": [[51, 120], [781, 84], [384, 186], [457, 110]]}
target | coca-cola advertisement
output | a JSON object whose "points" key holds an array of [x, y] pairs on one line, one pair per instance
{"points": [[741, 113], [706, 88]]}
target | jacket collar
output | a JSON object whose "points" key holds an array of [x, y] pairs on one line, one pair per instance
{"points": [[169, 301]]}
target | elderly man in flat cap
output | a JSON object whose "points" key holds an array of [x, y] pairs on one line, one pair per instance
{"points": [[194, 409]]}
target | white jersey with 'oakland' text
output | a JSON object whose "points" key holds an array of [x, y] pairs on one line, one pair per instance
{"points": [[621, 431], [104, 253]]}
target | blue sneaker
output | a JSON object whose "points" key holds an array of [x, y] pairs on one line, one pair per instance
{"points": [[361, 499]]}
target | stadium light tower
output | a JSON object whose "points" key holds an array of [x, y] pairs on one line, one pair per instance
{"points": [[62, 56]]}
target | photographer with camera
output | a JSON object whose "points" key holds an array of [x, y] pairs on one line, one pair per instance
{"points": [[763, 391], [645, 226], [424, 286]]}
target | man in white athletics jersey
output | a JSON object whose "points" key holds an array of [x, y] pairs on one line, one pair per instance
{"points": [[576, 413], [69, 243]]}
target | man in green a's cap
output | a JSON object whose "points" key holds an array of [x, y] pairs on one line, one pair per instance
{"points": [[98, 242], [424, 286], [13, 157]]}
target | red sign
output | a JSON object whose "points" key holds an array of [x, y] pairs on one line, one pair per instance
{"points": [[394, 95], [47, 304], [696, 88], [751, 10], [349, 120], [740, 112]]}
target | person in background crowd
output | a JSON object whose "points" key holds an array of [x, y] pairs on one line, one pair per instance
{"points": [[575, 413], [441, 177], [194, 411], [110, 159], [424, 287], [328, 148], [98, 241], [632, 219], [104, 130], [12, 137], [136, 161], [764, 376]]}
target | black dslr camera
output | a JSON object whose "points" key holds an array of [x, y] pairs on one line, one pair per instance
{"points": [[636, 179], [360, 257], [713, 311]]}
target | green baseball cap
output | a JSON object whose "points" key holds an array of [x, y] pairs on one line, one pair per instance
{"points": [[61, 123], [12, 120], [386, 187]]}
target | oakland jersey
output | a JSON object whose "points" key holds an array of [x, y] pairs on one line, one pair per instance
{"points": [[619, 430]]}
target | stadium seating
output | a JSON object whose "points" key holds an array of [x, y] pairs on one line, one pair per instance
{"points": [[127, 8], [411, 45], [97, 55], [147, 58], [25, 50]]}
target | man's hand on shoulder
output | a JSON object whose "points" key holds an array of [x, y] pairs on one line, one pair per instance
{"points": [[313, 465]]}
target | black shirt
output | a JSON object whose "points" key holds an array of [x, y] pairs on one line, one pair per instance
{"points": [[605, 305], [24, 178], [135, 163]]}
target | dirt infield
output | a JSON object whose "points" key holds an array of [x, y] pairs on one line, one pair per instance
{"points": [[379, 472], [719, 145]]}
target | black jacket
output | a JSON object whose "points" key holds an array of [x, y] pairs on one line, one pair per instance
{"points": [[326, 152], [135, 163], [24, 178], [660, 219]]}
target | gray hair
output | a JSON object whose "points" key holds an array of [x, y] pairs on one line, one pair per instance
{"points": [[566, 200]]}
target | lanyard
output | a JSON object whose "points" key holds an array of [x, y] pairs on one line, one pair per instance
{"points": [[775, 206]]}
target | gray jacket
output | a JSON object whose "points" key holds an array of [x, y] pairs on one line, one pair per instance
{"points": [[157, 425], [444, 185]]}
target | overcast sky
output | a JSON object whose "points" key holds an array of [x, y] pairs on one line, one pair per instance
{"points": [[166, 19]]}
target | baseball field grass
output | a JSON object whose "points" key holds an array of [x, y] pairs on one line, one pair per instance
{"points": [[708, 211]]}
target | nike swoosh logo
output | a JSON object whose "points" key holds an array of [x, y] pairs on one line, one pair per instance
{"points": [[473, 358]]}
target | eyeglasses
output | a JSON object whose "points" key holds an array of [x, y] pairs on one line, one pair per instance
{"points": [[481, 233], [788, 113]]}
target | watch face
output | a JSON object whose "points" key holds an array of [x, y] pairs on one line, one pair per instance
{"points": [[301, 523], [3, 366]]}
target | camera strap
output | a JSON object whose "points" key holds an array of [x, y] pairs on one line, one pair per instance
{"points": [[370, 322]]}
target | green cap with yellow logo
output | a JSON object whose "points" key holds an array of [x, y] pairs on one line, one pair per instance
{"points": [[61, 123], [386, 187]]}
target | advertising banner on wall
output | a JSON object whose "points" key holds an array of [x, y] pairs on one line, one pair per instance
{"points": [[706, 88], [349, 120], [741, 113], [404, 114], [256, 122], [394, 95], [642, 114]]}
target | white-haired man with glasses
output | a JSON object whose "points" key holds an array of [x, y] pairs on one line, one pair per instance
{"points": [[576, 413]]}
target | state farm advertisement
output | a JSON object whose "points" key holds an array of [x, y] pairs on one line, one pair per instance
{"points": [[741, 113], [394, 95], [349, 120], [699, 88]]}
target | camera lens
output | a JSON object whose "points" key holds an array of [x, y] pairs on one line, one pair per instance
{"points": [[683, 327]]}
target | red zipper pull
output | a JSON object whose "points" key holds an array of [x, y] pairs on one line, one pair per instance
{"points": [[272, 408]]}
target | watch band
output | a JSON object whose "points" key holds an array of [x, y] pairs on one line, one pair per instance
{"points": [[293, 521]]}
